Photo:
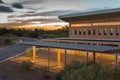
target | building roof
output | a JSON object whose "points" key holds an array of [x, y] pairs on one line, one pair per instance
{"points": [[82, 47], [108, 11]]}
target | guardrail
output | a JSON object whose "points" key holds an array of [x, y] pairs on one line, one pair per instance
{"points": [[83, 42]]}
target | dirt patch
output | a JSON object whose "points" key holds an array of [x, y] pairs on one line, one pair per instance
{"points": [[13, 71]]}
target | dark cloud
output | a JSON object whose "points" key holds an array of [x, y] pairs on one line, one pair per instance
{"points": [[32, 1], [17, 5], [55, 13], [5, 9], [1, 1], [47, 13]]}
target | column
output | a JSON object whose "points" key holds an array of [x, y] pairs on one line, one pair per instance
{"points": [[87, 53], [34, 53], [116, 64], [48, 58], [58, 58], [94, 57], [65, 57]]}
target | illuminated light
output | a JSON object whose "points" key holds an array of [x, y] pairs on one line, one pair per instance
{"points": [[58, 58], [45, 27], [95, 24], [86, 24], [34, 53]]}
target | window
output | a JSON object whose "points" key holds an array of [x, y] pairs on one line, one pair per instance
{"points": [[75, 32], [105, 31], [79, 32], [70, 32], [99, 31], [111, 31], [93, 31], [117, 31], [89, 32], [84, 32]]}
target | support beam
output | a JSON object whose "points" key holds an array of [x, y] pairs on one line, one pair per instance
{"points": [[116, 58], [65, 57], [94, 57], [58, 58], [116, 65], [87, 54], [34, 53], [48, 58]]}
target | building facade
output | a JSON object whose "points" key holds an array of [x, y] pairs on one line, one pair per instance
{"points": [[99, 25]]}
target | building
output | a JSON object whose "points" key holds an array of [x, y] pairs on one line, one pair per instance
{"points": [[97, 27], [90, 32]]}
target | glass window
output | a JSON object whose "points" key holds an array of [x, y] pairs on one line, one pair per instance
{"points": [[99, 31], [84, 32], [70, 32], [93, 31], [117, 31], [75, 32], [89, 32], [105, 31], [79, 32], [111, 31]]}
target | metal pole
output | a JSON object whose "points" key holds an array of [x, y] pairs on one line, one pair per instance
{"points": [[87, 57], [48, 58], [58, 58], [34, 53], [116, 63], [65, 56], [94, 58]]}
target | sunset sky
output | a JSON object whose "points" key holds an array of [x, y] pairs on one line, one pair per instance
{"points": [[45, 12]]}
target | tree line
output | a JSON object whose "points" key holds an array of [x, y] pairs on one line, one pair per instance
{"points": [[37, 33]]}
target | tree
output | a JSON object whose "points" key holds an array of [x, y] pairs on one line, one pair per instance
{"points": [[7, 41], [26, 65]]}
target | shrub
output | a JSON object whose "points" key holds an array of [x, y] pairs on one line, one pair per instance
{"points": [[26, 65], [28, 53], [7, 41], [77, 71]]}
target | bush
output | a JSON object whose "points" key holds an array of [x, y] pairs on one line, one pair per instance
{"points": [[26, 65], [77, 71], [28, 53], [7, 41]]}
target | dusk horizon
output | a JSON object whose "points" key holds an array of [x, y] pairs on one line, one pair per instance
{"points": [[42, 13], [59, 39]]}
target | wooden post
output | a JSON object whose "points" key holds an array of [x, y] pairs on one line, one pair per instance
{"points": [[58, 58], [34, 53]]}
